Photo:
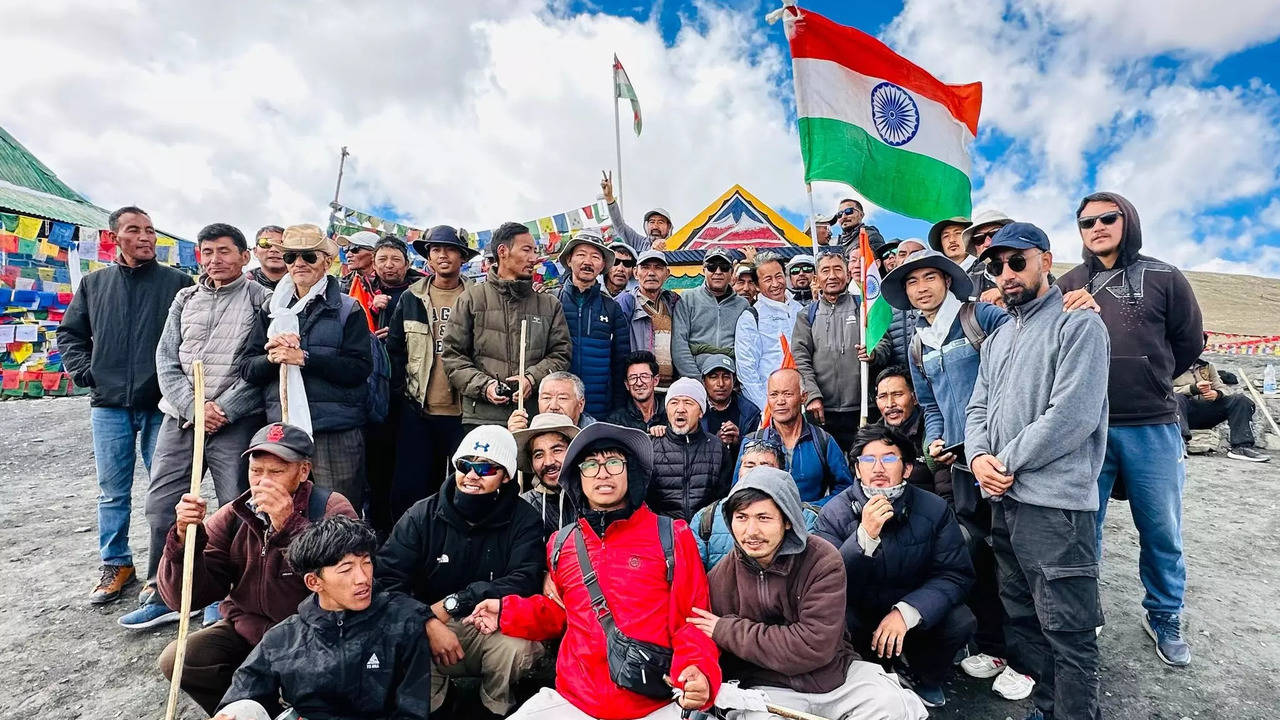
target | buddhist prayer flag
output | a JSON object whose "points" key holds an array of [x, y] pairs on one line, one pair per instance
{"points": [[622, 88], [873, 120]]}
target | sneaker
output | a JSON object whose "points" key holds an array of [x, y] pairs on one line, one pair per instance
{"points": [[1166, 630], [931, 695], [149, 593], [1013, 685], [1247, 453], [211, 615], [983, 666], [115, 578], [149, 616]]}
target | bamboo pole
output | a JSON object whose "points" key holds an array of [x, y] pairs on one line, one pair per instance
{"points": [[284, 393], [524, 333], [1257, 397], [189, 545]]}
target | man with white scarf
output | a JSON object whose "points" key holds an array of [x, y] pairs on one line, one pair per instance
{"points": [[321, 337]]}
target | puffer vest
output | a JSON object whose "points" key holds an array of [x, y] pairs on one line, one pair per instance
{"points": [[686, 473], [215, 324]]}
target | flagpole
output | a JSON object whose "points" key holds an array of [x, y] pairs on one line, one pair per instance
{"points": [[862, 322], [617, 132], [813, 220]]}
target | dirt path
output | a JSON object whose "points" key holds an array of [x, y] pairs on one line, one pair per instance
{"points": [[61, 658]]}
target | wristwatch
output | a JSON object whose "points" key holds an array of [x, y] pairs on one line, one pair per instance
{"points": [[451, 604]]}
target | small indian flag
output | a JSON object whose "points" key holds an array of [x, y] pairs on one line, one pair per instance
{"points": [[871, 119], [622, 88], [874, 307]]}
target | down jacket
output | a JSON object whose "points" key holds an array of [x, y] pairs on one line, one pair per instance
{"points": [[922, 558], [689, 471], [895, 347], [483, 343], [601, 340], [366, 665]]}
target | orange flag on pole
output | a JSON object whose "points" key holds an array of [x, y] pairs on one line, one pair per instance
{"points": [[360, 292], [788, 361]]}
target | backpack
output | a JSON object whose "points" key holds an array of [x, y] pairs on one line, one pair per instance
{"points": [[969, 324], [820, 440], [378, 400], [666, 535], [709, 517]]}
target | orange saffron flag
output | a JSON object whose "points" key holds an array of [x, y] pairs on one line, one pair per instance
{"points": [[360, 291], [788, 361]]}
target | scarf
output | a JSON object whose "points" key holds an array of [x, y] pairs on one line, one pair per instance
{"points": [[474, 508], [893, 492], [935, 333], [284, 319]]}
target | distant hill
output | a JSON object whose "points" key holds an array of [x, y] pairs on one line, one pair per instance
{"points": [[1241, 304]]}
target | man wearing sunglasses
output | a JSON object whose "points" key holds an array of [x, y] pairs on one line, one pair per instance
{"points": [[706, 317], [1036, 437], [800, 275], [907, 566], [1156, 334], [620, 277], [473, 540], [849, 217], [650, 309], [650, 585], [976, 239], [266, 249], [359, 259]]}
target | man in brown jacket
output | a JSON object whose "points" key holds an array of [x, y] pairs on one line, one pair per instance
{"points": [[778, 612], [240, 559], [482, 344]]}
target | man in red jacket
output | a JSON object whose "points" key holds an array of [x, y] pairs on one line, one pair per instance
{"points": [[649, 592]]}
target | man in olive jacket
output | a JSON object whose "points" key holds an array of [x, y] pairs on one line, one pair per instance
{"points": [[482, 344]]}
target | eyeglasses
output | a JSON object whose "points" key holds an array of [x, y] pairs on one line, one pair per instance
{"points": [[1107, 218], [886, 461], [309, 257], [264, 243], [639, 378], [979, 238], [591, 468], [1017, 263], [481, 468], [799, 269], [624, 262], [717, 267], [847, 211]]}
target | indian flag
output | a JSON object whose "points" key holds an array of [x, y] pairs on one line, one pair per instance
{"points": [[875, 308], [622, 88], [871, 119]]}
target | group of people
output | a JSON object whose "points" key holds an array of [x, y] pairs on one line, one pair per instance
{"points": [[430, 494]]}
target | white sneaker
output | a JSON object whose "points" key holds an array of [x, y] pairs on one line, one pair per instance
{"points": [[1013, 685], [983, 666]]}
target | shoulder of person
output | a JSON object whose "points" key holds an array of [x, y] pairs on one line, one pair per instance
{"points": [[989, 316], [1074, 279], [824, 554], [926, 503], [838, 510], [524, 514], [338, 504]]}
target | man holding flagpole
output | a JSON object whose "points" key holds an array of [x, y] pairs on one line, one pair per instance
{"points": [[656, 222]]}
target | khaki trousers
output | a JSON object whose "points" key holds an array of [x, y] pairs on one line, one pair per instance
{"points": [[498, 660]]}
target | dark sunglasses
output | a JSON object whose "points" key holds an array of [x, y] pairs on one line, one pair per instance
{"points": [[264, 243], [717, 267], [753, 443], [481, 469], [847, 211], [801, 269], [979, 238], [309, 257], [1107, 218], [624, 262], [1016, 263]]}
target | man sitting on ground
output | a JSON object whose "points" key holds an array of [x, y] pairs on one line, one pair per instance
{"points": [[642, 409], [906, 561], [691, 467], [542, 447], [240, 556], [475, 539], [1205, 402], [899, 411], [777, 612], [350, 652]]}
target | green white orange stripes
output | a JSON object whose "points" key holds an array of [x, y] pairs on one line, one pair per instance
{"points": [[622, 88], [873, 120]]}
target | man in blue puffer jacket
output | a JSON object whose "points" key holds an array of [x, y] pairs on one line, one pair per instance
{"points": [[599, 332]]}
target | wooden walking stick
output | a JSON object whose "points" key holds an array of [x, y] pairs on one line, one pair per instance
{"points": [[284, 393], [1257, 397], [189, 545], [524, 330]]}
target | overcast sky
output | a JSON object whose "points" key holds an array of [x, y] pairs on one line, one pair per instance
{"points": [[472, 113]]}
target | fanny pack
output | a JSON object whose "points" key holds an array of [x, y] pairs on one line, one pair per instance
{"points": [[634, 665]]}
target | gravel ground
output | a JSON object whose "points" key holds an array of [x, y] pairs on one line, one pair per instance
{"points": [[62, 658]]}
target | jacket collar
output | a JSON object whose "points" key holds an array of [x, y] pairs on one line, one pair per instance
{"points": [[206, 285], [901, 504], [728, 293], [141, 269], [786, 306], [1022, 312], [780, 566], [310, 613], [423, 286], [515, 289]]}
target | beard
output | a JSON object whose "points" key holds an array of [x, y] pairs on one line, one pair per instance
{"points": [[1023, 296]]}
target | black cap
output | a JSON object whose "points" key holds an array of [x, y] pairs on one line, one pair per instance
{"points": [[717, 252], [447, 236], [287, 442], [1017, 236]]}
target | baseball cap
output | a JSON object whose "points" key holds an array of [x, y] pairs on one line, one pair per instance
{"points": [[708, 364], [617, 246], [491, 442], [1017, 236], [290, 443], [800, 260], [690, 388], [362, 239], [717, 252], [745, 269], [648, 255]]}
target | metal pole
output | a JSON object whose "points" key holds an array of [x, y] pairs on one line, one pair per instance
{"points": [[813, 219], [342, 161], [862, 322], [617, 131]]}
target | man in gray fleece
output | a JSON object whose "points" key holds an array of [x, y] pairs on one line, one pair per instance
{"points": [[1036, 435]]}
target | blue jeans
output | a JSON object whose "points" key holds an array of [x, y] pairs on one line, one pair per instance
{"points": [[118, 433], [1148, 459]]}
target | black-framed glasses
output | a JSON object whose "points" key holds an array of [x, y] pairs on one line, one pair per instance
{"points": [[308, 256], [639, 378], [591, 468], [624, 262], [481, 468], [264, 243], [1016, 263], [1106, 218], [717, 267], [799, 269], [847, 211]]}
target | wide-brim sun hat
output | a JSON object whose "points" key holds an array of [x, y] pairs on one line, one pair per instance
{"points": [[590, 239], [894, 286], [446, 236], [935, 232], [541, 424], [305, 238]]}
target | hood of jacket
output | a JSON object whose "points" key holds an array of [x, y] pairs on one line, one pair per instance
{"points": [[1130, 239], [637, 478], [777, 484]]}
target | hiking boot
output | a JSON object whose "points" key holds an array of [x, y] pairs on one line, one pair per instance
{"points": [[1166, 630], [149, 616], [211, 615], [1247, 453], [983, 666], [1013, 685], [115, 578]]}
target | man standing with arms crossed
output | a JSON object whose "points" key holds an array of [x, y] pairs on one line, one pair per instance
{"points": [[1155, 325]]}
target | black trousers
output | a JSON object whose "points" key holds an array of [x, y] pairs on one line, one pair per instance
{"points": [[424, 449], [380, 444], [929, 651], [842, 426], [1048, 564], [1200, 414]]}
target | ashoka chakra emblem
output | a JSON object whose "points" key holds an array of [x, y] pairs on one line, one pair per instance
{"points": [[895, 114]]}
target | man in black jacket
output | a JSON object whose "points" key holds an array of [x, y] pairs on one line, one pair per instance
{"points": [[691, 467], [475, 539], [899, 411], [542, 446], [906, 562], [642, 409], [730, 415], [108, 339], [351, 652], [1156, 329]]}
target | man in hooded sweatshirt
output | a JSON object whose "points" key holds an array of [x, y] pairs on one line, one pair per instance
{"points": [[648, 576], [777, 612], [1156, 329], [542, 446], [475, 539]]}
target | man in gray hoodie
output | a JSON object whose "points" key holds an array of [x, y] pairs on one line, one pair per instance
{"points": [[1036, 435]]}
